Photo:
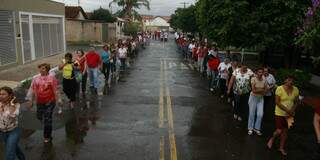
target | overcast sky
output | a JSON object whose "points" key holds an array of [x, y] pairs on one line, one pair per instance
{"points": [[157, 7]]}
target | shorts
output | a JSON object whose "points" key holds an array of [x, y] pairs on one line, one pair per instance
{"points": [[281, 122]]}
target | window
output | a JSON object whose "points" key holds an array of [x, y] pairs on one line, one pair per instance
{"points": [[48, 35]]}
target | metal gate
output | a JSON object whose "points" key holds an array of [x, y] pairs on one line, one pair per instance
{"points": [[26, 42], [7, 38], [104, 32]]}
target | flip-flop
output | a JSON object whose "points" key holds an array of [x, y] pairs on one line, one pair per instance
{"points": [[269, 147], [283, 152]]}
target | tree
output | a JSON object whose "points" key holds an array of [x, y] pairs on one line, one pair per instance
{"points": [[225, 22], [102, 15], [308, 35], [131, 29], [185, 19], [248, 23], [129, 7]]}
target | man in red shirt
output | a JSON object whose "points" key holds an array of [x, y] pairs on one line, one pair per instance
{"points": [[93, 61], [213, 64]]}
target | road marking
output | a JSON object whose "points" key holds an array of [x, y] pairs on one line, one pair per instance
{"points": [[183, 66], [161, 106], [172, 64], [172, 140], [161, 112], [161, 148]]}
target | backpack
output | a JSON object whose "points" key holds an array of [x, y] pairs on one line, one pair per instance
{"points": [[213, 63]]}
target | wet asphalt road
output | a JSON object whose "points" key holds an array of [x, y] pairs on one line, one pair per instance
{"points": [[160, 110]]}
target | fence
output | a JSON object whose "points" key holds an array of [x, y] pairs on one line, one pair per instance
{"points": [[90, 31]]}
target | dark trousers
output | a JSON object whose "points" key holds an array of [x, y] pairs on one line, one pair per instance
{"points": [[70, 88], [106, 70], [84, 82], [44, 114], [123, 63], [269, 105], [241, 106], [223, 86]]}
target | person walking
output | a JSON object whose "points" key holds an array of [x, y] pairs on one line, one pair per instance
{"points": [[44, 91], [256, 102], [200, 56], [213, 64], [316, 123], [69, 83], [93, 63], [122, 51], [269, 96], [9, 130], [223, 74], [81, 60], [240, 82], [287, 96], [234, 66], [105, 56]]}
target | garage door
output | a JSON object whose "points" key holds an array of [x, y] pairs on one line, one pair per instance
{"points": [[7, 38]]}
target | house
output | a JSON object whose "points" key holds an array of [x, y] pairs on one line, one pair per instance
{"points": [[75, 12], [120, 23], [30, 30], [155, 22], [81, 30]]}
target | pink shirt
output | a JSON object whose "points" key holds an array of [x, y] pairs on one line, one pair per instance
{"points": [[44, 88]]}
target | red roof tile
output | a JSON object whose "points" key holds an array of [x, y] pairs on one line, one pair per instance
{"points": [[72, 12]]}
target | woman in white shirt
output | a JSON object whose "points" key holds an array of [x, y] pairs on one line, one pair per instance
{"points": [[122, 51], [223, 74]]}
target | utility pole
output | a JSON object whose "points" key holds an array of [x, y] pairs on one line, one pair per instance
{"points": [[79, 3], [184, 4]]}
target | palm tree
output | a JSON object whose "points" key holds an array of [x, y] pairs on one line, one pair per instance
{"points": [[129, 7]]}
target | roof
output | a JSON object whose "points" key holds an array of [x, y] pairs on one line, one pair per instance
{"points": [[167, 18], [120, 19], [147, 17], [151, 17], [72, 12], [89, 14]]}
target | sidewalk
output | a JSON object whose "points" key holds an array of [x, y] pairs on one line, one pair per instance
{"points": [[12, 77]]}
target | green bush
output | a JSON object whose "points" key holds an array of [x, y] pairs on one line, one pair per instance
{"points": [[301, 78], [131, 29]]}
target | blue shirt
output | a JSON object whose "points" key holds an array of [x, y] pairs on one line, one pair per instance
{"points": [[105, 56]]}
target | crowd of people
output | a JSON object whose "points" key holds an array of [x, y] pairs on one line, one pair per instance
{"points": [[248, 91], [161, 35], [44, 93]]}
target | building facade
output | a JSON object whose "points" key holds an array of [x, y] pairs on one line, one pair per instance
{"points": [[30, 30], [152, 23]]}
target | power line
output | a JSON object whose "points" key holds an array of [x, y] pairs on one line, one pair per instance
{"points": [[184, 4]]}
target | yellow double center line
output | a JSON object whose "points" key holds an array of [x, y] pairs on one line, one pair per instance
{"points": [[164, 89]]}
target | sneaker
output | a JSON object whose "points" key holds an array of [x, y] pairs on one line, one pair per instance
{"points": [[250, 132], [235, 116], [60, 110], [222, 96], [257, 132], [211, 89], [239, 119]]}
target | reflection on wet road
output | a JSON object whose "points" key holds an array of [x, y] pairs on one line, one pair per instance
{"points": [[161, 109]]}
